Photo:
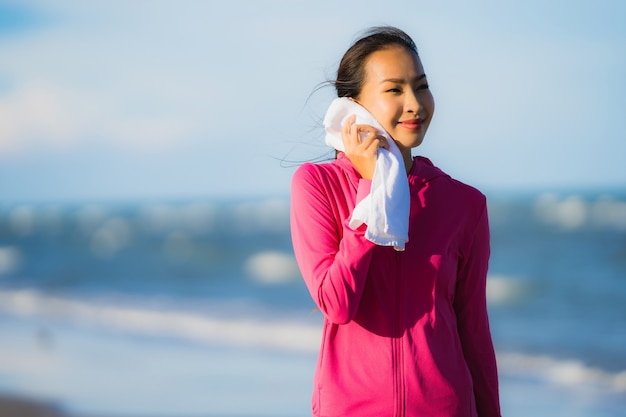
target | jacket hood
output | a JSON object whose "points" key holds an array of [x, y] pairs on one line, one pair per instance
{"points": [[424, 170]]}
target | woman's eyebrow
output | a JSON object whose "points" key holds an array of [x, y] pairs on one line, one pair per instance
{"points": [[401, 80]]}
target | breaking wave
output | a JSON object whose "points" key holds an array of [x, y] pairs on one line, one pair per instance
{"points": [[295, 336], [563, 372], [192, 326], [573, 211]]}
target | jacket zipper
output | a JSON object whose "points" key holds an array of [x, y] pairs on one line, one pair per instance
{"points": [[398, 348]]}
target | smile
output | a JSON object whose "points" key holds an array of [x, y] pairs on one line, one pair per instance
{"points": [[411, 124]]}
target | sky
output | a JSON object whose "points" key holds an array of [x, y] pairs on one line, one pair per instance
{"points": [[131, 100]]}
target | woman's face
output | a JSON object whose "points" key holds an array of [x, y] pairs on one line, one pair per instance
{"points": [[396, 93]]}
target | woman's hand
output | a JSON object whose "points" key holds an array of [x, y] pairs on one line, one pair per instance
{"points": [[361, 143]]}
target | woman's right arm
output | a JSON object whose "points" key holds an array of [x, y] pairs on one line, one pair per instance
{"points": [[334, 269]]}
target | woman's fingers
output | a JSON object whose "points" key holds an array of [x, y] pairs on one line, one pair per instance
{"points": [[371, 138], [361, 143], [362, 137], [347, 134]]}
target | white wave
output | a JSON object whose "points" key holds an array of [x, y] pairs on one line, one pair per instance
{"points": [[21, 220], [90, 217], [113, 235], [607, 211], [272, 267], [268, 215], [10, 259], [502, 289], [572, 212], [569, 213], [283, 335], [567, 373], [191, 218], [287, 335], [271, 215]]}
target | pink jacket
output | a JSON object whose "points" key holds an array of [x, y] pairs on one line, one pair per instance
{"points": [[405, 333]]}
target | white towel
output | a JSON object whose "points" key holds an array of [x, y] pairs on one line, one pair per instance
{"points": [[385, 210]]}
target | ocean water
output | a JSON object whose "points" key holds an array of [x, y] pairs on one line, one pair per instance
{"points": [[197, 307]]}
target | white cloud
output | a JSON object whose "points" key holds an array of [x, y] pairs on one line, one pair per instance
{"points": [[36, 115], [42, 116], [114, 81]]}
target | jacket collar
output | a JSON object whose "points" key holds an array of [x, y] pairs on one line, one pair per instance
{"points": [[422, 171]]}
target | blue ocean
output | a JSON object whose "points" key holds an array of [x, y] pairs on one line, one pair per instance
{"points": [[189, 308]]}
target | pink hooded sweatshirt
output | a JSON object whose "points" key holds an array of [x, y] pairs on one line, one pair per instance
{"points": [[405, 333]]}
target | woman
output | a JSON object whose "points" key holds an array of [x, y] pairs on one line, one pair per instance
{"points": [[405, 333]]}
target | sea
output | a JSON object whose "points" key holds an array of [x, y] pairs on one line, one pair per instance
{"points": [[197, 307]]}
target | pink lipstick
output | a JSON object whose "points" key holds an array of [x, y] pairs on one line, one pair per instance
{"points": [[411, 124]]}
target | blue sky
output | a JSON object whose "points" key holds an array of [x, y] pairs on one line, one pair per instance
{"points": [[202, 99]]}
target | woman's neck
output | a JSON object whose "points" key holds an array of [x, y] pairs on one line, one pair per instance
{"points": [[408, 159]]}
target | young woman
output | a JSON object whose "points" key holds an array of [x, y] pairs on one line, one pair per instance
{"points": [[405, 333]]}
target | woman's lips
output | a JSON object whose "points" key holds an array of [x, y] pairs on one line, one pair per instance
{"points": [[412, 124]]}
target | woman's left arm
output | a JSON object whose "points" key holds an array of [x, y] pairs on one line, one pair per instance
{"points": [[470, 304]]}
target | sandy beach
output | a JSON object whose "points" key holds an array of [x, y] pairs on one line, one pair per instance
{"points": [[22, 407]]}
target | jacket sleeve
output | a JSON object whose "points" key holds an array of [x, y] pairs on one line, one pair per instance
{"points": [[470, 304], [333, 262]]}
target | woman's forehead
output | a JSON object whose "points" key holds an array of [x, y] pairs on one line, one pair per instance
{"points": [[396, 63]]}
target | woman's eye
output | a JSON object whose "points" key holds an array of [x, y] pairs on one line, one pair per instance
{"points": [[394, 90], [422, 87]]}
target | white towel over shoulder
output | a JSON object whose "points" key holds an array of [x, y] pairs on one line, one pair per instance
{"points": [[385, 210]]}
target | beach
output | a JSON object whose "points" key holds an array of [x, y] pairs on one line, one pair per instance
{"points": [[21, 407]]}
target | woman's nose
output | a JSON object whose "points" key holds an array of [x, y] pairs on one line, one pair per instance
{"points": [[412, 103]]}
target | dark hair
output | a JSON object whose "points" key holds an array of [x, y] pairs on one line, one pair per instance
{"points": [[351, 71]]}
